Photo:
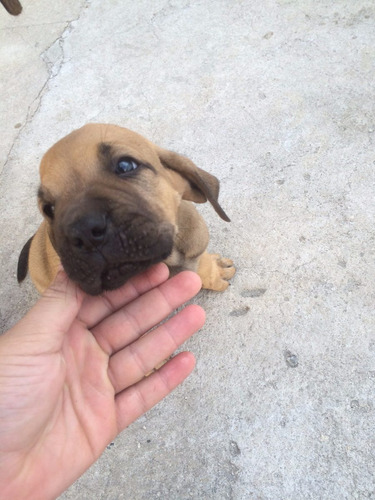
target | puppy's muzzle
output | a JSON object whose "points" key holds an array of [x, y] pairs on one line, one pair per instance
{"points": [[100, 251]]}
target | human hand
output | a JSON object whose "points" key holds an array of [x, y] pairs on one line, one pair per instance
{"points": [[72, 375]]}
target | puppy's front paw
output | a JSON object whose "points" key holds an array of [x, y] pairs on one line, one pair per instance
{"points": [[215, 271]]}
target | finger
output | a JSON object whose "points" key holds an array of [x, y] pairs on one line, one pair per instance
{"points": [[50, 318], [136, 318], [139, 398], [95, 309], [131, 364]]}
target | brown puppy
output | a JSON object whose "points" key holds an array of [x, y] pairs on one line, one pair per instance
{"points": [[114, 204]]}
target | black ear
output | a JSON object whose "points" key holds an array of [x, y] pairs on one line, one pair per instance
{"points": [[12, 6], [192, 182], [23, 261]]}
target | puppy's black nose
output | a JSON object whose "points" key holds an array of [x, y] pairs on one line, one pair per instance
{"points": [[89, 231]]}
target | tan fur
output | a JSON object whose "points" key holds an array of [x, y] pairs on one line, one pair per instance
{"points": [[73, 177], [43, 260]]}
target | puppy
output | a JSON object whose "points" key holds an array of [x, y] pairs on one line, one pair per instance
{"points": [[113, 204]]}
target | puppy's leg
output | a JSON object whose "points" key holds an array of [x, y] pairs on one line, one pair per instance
{"points": [[190, 251]]}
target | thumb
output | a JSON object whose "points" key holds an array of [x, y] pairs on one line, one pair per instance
{"points": [[51, 317]]}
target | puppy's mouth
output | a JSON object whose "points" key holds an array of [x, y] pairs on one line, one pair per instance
{"points": [[116, 276], [111, 266]]}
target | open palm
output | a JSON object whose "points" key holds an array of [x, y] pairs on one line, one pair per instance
{"points": [[72, 375]]}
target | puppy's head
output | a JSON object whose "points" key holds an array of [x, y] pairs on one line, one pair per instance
{"points": [[110, 199]]}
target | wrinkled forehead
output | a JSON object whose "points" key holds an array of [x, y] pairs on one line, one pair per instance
{"points": [[82, 155]]}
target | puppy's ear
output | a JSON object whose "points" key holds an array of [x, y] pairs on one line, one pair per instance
{"points": [[12, 6], [192, 182], [23, 261]]}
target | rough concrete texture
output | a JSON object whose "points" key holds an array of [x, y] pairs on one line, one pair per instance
{"points": [[277, 99]]}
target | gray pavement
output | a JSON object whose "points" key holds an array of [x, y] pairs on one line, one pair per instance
{"points": [[276, 98]]}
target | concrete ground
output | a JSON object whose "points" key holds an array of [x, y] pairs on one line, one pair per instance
{"points": [[276, 98]]}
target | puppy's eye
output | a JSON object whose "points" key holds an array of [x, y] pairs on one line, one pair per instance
{"points": [[48, 210], [126, 165]]}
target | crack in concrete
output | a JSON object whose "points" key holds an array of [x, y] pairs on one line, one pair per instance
{"points": [[53, 66], [54, 63]]}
